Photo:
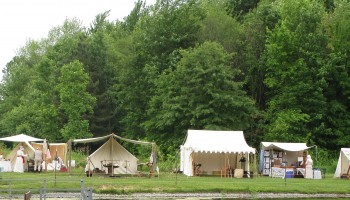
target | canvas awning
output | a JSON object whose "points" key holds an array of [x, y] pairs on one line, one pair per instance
{"points": [[88, 140], [284, 146], [207, 141], [22, 138]]}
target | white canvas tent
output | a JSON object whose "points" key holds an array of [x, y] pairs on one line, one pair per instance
{"points": [[111, 153], [343, 163], [23, 140], [291, 152], [214, 150]]}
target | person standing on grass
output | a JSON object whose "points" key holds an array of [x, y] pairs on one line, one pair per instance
{"points": [[308, 167], [38, 159], [19, 164]]}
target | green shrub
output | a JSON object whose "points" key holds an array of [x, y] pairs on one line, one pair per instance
{"points": [[79, 157]]}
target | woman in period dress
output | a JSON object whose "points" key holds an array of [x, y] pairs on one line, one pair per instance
{"points": [[19, 164], [308, 167]]}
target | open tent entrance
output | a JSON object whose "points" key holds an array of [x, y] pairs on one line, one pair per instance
{"points": [[224, 153], [112, 158], [276, 157], [55, 155], [343, 166], [23, 140]]}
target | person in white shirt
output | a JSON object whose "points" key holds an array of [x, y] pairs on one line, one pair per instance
{"points": [[38, 159]]}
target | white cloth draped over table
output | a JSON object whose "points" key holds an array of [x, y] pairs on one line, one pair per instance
{"points": [[6, 165]]}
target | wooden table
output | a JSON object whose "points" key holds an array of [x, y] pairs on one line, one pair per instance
{"points": [[110, 167]]}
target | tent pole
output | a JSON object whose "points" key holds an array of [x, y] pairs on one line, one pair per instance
{"points": [[248, 168], [256, 166], [70, 156], [112, 157]]}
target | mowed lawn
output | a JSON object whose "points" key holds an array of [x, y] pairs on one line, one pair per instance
{"points": [[167, 183]]}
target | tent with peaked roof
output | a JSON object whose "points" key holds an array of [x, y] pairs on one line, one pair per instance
{"points": [[343, 163], [23, 140], [214, 150], [112, 155]]}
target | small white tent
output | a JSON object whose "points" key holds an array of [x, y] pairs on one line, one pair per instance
{"points": [[287, 152], [343, 163], [214, 150], [112, 155], [23, 140]]}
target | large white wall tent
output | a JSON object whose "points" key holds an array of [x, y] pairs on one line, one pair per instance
{"points": [[214, 151], [112, 155], [343, 163]]}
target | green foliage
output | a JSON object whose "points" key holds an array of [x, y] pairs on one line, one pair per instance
{"points": [[219, 27], [296, 53], [188, 64], [284, 123], [238, 8], [200, 93], [75, 100], [4, 150], [79, 157], [326, 159]]}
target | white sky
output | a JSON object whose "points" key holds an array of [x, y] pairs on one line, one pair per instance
{"points": [[21, 20]]}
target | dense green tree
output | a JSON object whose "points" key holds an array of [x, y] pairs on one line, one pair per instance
{"points": [[181, 64], [169, 25], [253, 56], [219, 27], [201, 93], [75, 101], [101, 75], [16, 108], [296, 52], [45, 102], [333, 134], [238, 8]]}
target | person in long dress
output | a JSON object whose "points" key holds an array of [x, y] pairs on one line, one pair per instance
{"points": [[19, 164], [308, 167]]}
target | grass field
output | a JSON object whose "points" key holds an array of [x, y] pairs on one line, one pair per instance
{"points": [[167, 182]]}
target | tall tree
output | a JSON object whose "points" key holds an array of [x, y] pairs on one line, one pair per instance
{"points": [[296, 51], [169, 25], [334, 131], [101, 74], [75, 101], [17, 111], [201, 93]]}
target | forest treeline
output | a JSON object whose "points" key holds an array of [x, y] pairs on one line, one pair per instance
{"points": [[276, 69]]}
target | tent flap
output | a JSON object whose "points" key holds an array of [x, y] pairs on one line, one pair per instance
{"points": [[343, 162]]}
